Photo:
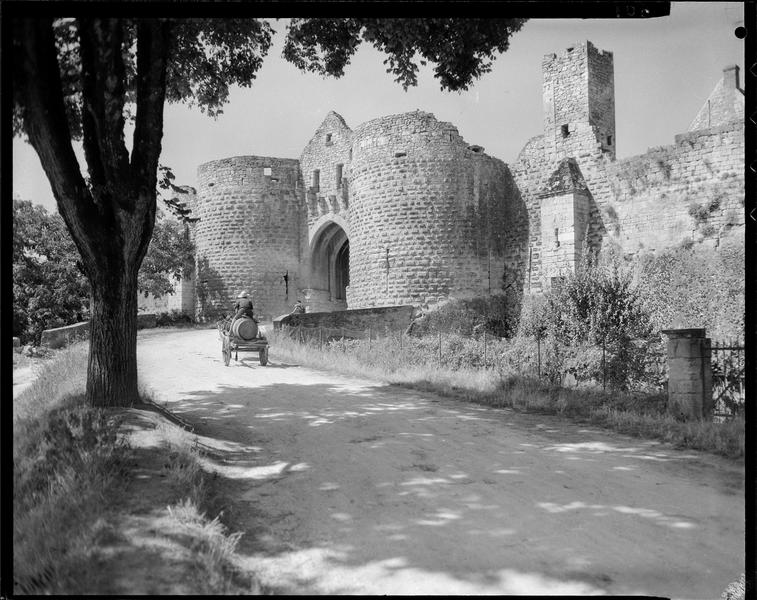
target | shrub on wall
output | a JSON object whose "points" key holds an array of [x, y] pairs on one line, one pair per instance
{"points": [[701, 212], [598, 303], [696, 286], [599, 306], [698, 212]]}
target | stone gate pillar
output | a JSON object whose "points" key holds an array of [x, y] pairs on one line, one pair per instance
{"points": [[689, 374]]}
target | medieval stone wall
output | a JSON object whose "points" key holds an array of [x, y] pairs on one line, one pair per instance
{"points": [[358, 323], [454, 220], [693, 190], [690, 191], [419, 191], [530, 173], [249, 233], [328, 154]]}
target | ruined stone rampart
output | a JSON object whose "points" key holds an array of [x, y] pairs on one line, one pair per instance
{"points": [[691, 190]]}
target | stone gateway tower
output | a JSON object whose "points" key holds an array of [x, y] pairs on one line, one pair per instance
{"points": [[248, 233], [402, 210]]}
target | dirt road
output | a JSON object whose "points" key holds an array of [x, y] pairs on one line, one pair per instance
{"points": [[344, 485]]}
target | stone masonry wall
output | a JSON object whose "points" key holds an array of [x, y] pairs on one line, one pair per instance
{"points": [[329, 148], [417, 189], [530, 172], [690, 190], [649, 202], [564, 218], [693, 189], [579, 101], [455, 221], [376, 321], [249, 233]]}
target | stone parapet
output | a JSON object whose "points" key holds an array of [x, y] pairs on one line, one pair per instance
{"points": [[379, 320], [63, 336]]}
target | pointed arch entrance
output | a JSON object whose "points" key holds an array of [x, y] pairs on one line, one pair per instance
{"points": [[330, 262]]}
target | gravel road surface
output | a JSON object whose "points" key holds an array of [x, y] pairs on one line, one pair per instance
{"points": [[346, 485]]}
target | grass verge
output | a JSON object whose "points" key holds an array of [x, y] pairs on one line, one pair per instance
{"points": [[635, 414], [77, 516]]}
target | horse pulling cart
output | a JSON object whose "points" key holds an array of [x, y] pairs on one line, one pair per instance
{"points": [[241, 334]]}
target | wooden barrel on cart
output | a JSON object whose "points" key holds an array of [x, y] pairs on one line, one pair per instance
{"points": [[247, 329]]}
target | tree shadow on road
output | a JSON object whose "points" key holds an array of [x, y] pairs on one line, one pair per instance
{"points": [[405, 513]]}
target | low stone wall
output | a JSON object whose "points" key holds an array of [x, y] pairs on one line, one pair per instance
{"points": [[146, 321], [62, 336], [378, 319]]}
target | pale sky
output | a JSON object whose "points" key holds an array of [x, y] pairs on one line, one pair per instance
{"points": [[665, 69]]}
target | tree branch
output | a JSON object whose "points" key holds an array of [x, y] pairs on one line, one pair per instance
{"points": [[152, 58], [152, 50], [103, 120], [46, 125]]}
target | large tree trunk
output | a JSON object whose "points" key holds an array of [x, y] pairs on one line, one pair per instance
{"points": [[110, 218], [112, 369]]}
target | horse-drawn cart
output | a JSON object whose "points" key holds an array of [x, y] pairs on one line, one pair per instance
{"points": [[242, 334]]}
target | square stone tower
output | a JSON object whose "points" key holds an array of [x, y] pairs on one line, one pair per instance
{"points": [[579, 101], [564, 215]]}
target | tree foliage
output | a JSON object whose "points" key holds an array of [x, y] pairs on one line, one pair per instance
{"points": [[596, 304], [589, 324], [208, 56], [49, 286], [461, 50], [170, 252], [697, 287]]}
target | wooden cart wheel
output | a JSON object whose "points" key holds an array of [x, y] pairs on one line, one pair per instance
{"points": [[226, 351], [264, 357]]}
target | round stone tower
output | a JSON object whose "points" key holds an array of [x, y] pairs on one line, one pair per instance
{"points": [[250, 209], [425, 209]]}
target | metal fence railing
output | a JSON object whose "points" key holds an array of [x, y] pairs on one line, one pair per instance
{"points": [[728, 367]]}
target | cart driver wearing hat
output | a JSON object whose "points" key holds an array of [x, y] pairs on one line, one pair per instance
{"points": [[243, 306]]}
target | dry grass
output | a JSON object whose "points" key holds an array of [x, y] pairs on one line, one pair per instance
{"points": [[68, 465], [59, 383], [214, 551], [735, 590], [383, 361], [72, 466]]}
